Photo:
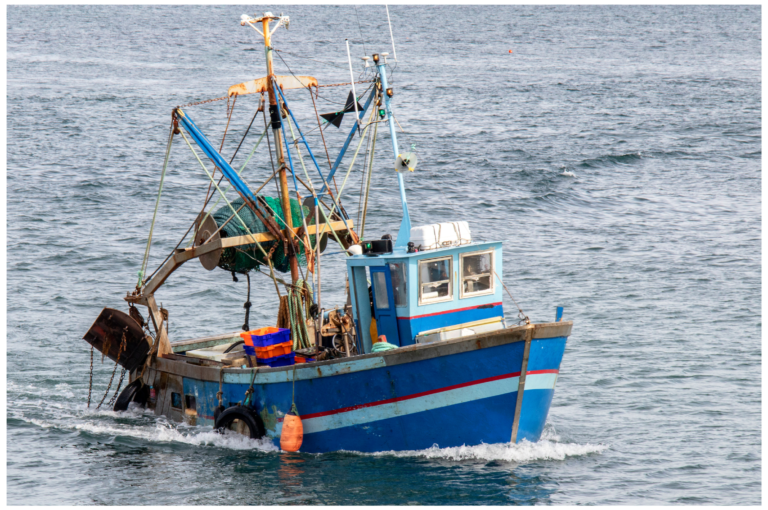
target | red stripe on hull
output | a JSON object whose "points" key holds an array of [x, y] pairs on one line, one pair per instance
{"points": [[422, 394], [490, 305], [414, 395]]}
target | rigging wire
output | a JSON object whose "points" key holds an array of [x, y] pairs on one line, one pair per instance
{"points": [[173, 251], [307, 58], [362, 181], [157, 204], [245, 227], [226, 128], [361, 30]]}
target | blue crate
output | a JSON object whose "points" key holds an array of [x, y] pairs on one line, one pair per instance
{"points": [[264, 337], [279, 361]]}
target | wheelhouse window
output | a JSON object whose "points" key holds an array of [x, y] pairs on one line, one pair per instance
{"points": [[380, 290], [476, 274], [435, 284], [399, 284]]}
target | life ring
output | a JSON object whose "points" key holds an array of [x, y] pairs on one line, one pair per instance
{"points": [[137, 391], [246, 416]]}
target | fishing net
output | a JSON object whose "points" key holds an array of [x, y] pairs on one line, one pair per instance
{"points": [[248, 257]]}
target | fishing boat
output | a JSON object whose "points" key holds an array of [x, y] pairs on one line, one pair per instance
{"points": [[419, 355]]}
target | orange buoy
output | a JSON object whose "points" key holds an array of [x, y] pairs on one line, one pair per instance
{"points": [[510, 51], [293, 431], [382, 338]]}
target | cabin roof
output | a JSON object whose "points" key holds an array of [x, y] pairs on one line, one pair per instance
{"points": [[380, 260]]}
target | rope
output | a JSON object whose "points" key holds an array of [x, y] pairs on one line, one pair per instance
{"points": [[173, 251], [248, 231], [307, 58], [230, 185], [249, 392], [322, 135], [347, 83], [368, 184], [157, 204], [365, 51], [338, 196], [296, 314], [520, 314], [362, 180], [205, 101], [220, 393], [221, 147]]}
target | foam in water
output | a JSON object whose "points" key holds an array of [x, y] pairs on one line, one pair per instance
{"points": [[159, 431], [568, 173], [547, 448]]}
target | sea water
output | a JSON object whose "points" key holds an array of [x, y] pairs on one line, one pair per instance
{"points": [[616, 152]]}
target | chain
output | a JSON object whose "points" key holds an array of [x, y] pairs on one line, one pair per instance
{"points": [[205, 102], [90, 379], [347, 83], [119, 383], [114, 371]]}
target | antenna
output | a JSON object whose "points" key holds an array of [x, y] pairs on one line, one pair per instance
{"points": [[394, 52], [352, 79]]}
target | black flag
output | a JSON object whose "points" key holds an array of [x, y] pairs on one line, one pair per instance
{"points": [[336, 117]]}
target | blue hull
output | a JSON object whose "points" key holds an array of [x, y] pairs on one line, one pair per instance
{"points": [[452, 393]]}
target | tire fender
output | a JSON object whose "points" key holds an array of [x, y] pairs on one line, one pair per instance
{"points": [[244, 414], [137, 391]]}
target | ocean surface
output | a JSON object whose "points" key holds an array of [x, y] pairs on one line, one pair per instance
{"points": [[616, 151]]}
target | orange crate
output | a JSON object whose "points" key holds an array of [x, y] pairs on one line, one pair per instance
{"points": [[274, 350]]}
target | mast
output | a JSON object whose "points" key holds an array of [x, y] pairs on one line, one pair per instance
{"points": [[404, 234], [275, 114]]}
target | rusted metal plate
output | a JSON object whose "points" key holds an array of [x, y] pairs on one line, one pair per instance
{"points": [[204, 232], [106, 335], [259, 85]]}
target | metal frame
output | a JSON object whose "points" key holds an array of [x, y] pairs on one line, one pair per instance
{"points": [[491, 290], [449, 297]]}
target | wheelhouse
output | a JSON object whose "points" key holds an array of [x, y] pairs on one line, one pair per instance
{"points": [[427, 295]]}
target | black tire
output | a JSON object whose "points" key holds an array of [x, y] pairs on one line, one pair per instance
{"points": [[217, 412], [137, 391], [246, 416]]}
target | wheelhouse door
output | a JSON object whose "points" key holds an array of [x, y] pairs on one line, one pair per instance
{"points": [[384, 304]]}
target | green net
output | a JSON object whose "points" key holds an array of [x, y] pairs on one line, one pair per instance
{"points": [[248, 257]]}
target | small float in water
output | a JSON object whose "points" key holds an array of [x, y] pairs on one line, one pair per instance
{"points": [[419, 355]]}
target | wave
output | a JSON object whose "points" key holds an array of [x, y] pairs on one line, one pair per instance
{"points": [[548, 447], [610, 160], [160, 431]]}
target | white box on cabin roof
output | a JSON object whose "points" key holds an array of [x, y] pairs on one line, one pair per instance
{"points": [[441, 235]]}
